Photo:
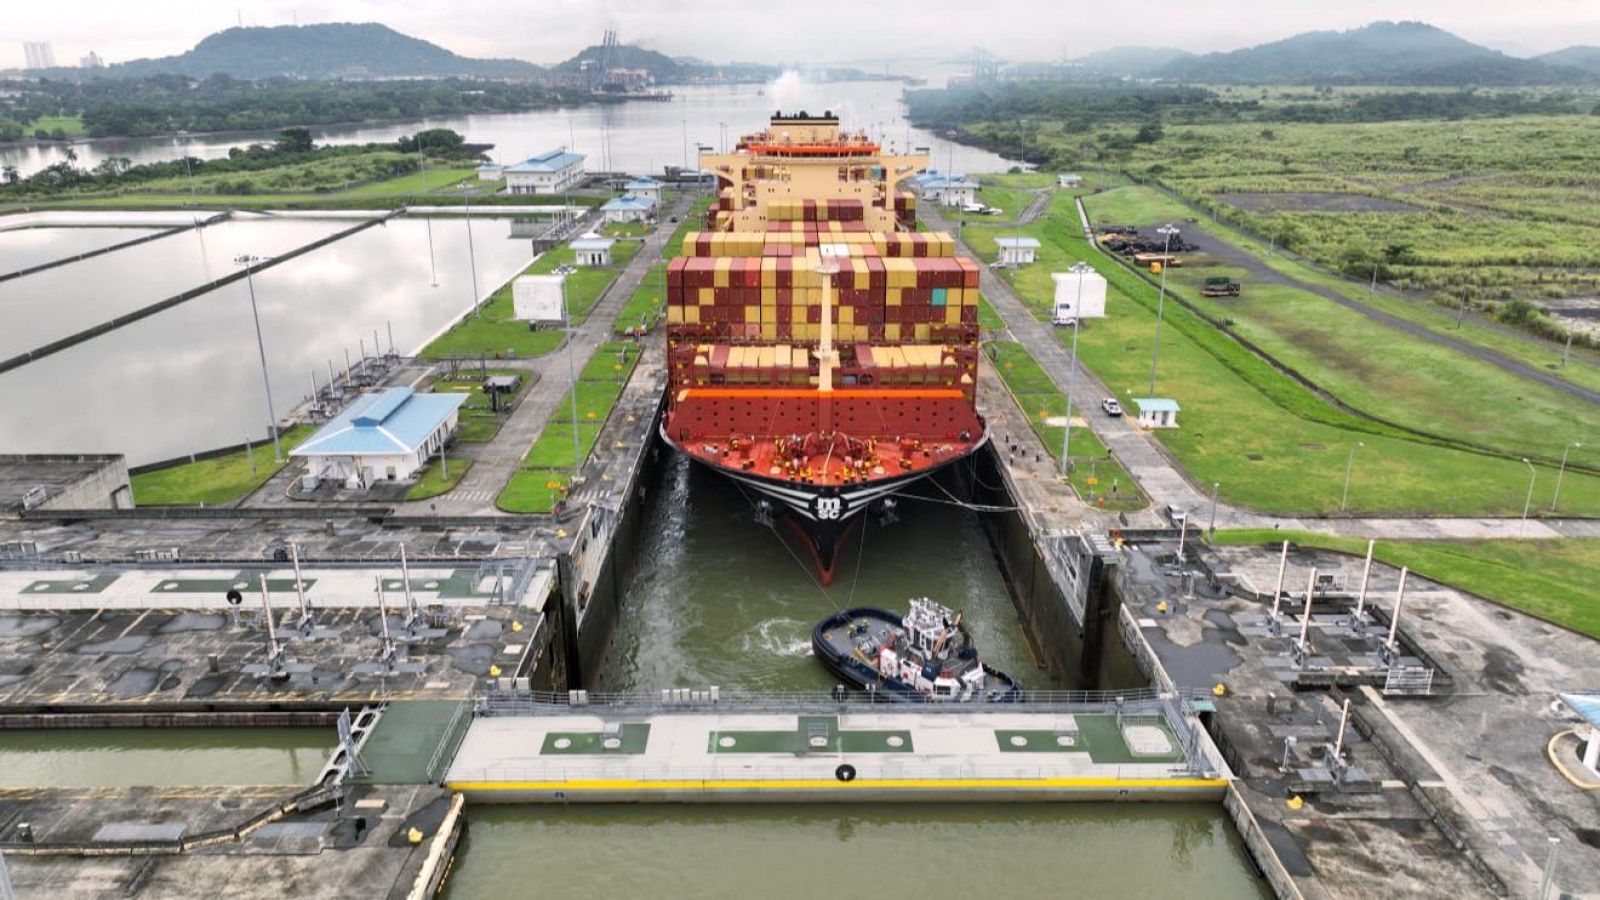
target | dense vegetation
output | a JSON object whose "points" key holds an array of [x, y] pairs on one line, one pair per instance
{"points": [[289, 163], [165, 104]]}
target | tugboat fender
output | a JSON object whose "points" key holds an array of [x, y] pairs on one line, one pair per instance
{"points": [[845, 773]]}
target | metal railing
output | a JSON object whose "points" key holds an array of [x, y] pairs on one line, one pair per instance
{"points": [[515, 702], [454, 730]]}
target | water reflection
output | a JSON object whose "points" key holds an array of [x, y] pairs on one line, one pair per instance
{"points": [[636, 137], [97, 757], [22, 248], [188, 379]]}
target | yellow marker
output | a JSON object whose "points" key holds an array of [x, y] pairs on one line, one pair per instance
{"points": [[494, 671], [414, 835], [1161, 607], [1220, 690], [1295, 802], [515, 625]]}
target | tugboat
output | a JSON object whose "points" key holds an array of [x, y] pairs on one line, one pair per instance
{"points": [[924, 657]]}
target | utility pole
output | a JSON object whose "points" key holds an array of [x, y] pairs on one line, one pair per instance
{"points": [[572, 371], [1527, 504], [1344, 497], [1211, 530], [472, 259], [1556, 497], [249, 263], [1167, 231]]}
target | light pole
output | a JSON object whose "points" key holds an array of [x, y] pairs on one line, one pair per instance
{"points": [[1560, 472], [1548, 878], [723, 130], [685, 123], [1211, 530], [1533, 475], [1167, 231], [1348, 465], [1078, 268], [572, 370], [472, 259], [250, 262]]}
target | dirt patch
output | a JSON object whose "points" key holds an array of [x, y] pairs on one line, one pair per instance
{"points": [[1315, 201]]}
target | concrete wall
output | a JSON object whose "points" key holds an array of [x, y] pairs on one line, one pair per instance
{"points": [[104, 488]]}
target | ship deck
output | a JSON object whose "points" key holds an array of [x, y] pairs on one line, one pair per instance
{"points": [[829, 462]]}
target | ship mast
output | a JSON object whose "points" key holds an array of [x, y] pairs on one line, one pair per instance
{"points": [[827, 356]]}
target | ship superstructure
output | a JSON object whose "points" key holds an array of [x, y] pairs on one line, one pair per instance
{"points": [[822, 353]]}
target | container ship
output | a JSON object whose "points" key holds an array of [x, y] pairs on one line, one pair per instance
{"points": [[822, 353]]}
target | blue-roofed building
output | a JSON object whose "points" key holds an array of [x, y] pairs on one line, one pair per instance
{"points": [[551, 172], [950, 190], [386, 435], [644, 187], [628, 208], [1157, 412], [1587, 705]]}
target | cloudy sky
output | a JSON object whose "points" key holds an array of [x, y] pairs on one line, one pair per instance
{"points": [[826, 30]]}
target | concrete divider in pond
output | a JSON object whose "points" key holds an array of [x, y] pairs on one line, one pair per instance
{"points": [[72, 340], [729, 751], [196, 222]]}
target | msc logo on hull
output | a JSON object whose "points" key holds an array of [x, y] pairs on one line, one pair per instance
{"points": [[827, 508]]}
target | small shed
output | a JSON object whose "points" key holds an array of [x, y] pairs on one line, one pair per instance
{"points": [[383, 436], [490, 172], [645, 187], [1017, 251], [1157, 412], [592, 250], [1587, 706], [1080, 296], [628, 208], [1069, 180], [537, 298]]}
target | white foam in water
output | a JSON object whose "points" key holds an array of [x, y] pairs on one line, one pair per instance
{"points": [[778, 637]]}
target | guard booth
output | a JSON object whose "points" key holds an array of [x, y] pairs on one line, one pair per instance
{"points": [[1157, 412]]}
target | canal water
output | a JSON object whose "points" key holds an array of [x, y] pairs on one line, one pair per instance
{"points": [[720, 600], [162, 757], [991, 851], [189, 379], [21, 248], [635, 137]]}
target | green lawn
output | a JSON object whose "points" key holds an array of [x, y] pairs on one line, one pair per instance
{"points": [[1271, 443], [479, 422], [71, 126], [1039, 400], [547, 468], [693, 220], [989, 321], [421, 183], [645, 304], [496, 334], [1011, 201], [433, 482], [217, 480], [1553, 580], [1138, 205]]}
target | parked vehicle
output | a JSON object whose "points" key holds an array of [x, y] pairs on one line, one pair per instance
{"points": [[1111, 406]]}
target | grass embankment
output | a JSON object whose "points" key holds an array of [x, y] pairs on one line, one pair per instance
{"points": [[644, 307], [479, 423], [497, 334], [433, 481], [1138, 205], [69, 126], [215, 480], [1270, 442], [546, 471], [1036, 395], [1553, 580]]}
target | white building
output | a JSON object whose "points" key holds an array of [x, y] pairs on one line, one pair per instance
{"points": [[645, 187], [551, 172], [386, 435], [628, 208], [1069, 180], [949, 190], [537, 298], [592, 249], [1157, 412], [490, 172], [1017, 251], [1079, 296]]}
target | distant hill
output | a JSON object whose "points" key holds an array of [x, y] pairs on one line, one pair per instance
{"points": [[339, 50], [1410, 53], [1585, 58], [1132, 61], [625, 56]]}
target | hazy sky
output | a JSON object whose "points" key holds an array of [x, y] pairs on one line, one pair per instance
{"points": [[826, 30]]}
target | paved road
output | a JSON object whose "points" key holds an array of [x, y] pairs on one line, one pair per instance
{"points": [[495, 462], [1166, 483]]}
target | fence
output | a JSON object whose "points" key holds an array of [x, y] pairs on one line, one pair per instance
{"points": [[887, 768]]}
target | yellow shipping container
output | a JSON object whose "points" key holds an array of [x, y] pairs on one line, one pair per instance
{"points": [[769, 331], [923, 330], [688, 243], [891, 331], [891, 296], [769, 312], [707, 296], [847, 315], [674, 315], [797, 314], [691, 315], [952, 315]]}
